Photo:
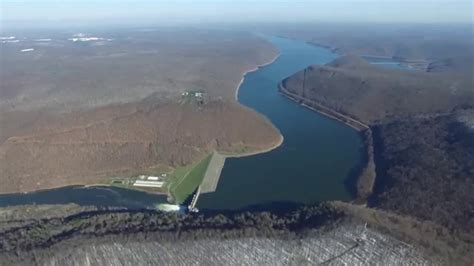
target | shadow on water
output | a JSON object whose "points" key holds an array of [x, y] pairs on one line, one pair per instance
{"points": [[277, 207], [382, 181], [352, 178]]}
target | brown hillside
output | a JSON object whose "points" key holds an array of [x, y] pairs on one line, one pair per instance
{"points": [[85, 147], [352, 86]]}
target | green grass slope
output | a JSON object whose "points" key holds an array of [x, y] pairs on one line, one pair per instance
{"points": [[187, 179]]}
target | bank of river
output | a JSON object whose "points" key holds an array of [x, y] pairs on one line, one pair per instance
{"points": [[315, 161], [318, 154]]}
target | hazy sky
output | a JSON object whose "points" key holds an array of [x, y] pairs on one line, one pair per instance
{"points": [[174, 11]]}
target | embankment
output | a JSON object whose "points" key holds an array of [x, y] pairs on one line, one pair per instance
{"points": [[213, 172]]}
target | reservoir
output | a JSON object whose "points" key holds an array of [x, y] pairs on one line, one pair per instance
{"points": [[318, 154], [317, 158]]}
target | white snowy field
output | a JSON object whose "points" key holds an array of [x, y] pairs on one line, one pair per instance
{"points": [[345, 245]]}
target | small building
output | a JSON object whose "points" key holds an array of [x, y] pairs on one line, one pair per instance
{"points": [[140, 183], [154, 178]]}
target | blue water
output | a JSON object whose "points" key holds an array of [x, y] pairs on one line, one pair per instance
{"points": [[317, 157]]}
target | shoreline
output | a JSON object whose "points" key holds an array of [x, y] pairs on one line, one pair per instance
{"points": [[236, 98], [257, 67], [359, 126], [269, 149], [365, 180], [410, 63], [326, 111]]}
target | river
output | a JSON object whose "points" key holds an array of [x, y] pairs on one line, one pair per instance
{"points": [[317, 158], [318, 154]]}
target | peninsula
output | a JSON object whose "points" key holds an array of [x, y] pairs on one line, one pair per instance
{"points": [[159, 112]]}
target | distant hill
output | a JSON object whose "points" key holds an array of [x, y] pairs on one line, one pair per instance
{"points": [[352, 86], [418, 129], [126, 139], [401, 41], [350, 62], [460, 64]]}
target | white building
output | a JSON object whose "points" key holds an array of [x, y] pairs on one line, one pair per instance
{"points": [[140, 183]]}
